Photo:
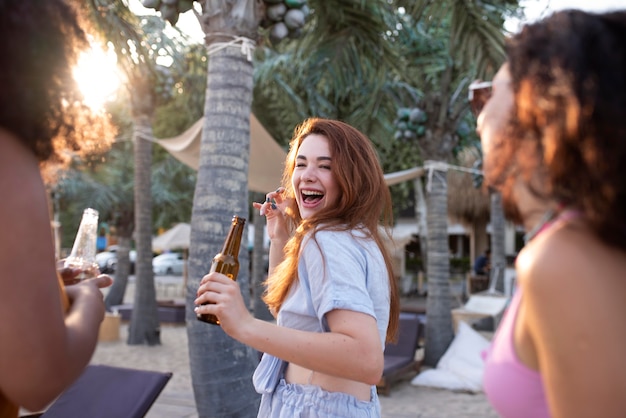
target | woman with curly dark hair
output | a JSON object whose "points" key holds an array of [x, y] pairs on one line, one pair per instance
{"points": [[330, 280], [554, 138], [47, 332]]}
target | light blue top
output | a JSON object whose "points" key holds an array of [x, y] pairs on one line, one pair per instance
{"points": [[345, 271], [336, 270]]}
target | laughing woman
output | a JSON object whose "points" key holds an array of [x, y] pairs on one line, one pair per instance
{"points": [[330, 280]]}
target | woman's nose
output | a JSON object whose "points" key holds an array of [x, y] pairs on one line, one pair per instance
{"points": [[308, 175]]}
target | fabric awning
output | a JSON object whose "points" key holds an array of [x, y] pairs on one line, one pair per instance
{"points": [[267, 158]]}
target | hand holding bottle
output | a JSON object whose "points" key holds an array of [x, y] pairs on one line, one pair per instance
{"points": [[72, 275], [219, 296], [225, 262]]}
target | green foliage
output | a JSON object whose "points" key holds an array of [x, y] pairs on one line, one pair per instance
{"points": [[362, 61], [461, 265], [186, 104], [413, 263]]}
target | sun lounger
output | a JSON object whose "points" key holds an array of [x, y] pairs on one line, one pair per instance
{"points": [[400, 357], [108, 392]]}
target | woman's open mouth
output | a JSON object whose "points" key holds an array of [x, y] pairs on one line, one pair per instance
{"points": [[311, 198]]}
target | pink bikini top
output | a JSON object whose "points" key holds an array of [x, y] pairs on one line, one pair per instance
{"points": [[513, 389]]}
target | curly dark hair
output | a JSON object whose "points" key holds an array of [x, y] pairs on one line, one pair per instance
{"points": [[40, 102], [568, 75]]}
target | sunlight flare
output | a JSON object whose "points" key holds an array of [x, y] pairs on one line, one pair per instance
{"points": [[97, 76]]}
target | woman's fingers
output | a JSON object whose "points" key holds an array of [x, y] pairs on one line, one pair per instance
{"points": [[272, 200], [214, 282], [278, 195], [102, 280]]}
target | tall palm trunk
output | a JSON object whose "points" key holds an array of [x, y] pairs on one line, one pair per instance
{"points": [[124, 226], [144, 324], [221, 368], [439, 332], [115, 295], [498, 260]]}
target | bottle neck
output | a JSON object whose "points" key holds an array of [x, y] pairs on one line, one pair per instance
{"points": [[233, 240]]}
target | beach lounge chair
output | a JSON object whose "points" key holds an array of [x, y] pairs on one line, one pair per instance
{"points": [[108, 392], [400, 357]]}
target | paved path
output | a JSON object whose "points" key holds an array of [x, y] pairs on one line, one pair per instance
{"points": [[176, 400]]}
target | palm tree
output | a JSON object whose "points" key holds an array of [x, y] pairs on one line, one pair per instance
{"points": [[137, 51], [343, 78], [221, 368], [221, 189], [463, 40], [105, 181]]}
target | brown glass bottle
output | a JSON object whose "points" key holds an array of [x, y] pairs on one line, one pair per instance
{"points": [[227, 261]]}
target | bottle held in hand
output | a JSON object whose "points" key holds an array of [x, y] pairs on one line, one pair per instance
{"points": [[83, 255], [227, 261]]}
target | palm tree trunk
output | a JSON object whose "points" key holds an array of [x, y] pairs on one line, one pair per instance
{"points": [[498, 260], [422, 225], [221, 367], [439, 332], [144, 324], [115, 295], [124, 226]]}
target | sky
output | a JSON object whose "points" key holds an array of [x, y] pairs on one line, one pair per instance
{"points": [[536, 9]]}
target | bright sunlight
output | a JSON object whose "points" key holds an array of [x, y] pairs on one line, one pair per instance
{"points": [[97, 76]]}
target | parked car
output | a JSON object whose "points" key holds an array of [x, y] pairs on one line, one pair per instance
{"points": [[168, 264], [107, 260]]}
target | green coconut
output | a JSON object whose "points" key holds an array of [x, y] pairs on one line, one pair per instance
{"points": [[294, 19], [278, 32], [276, 12]]}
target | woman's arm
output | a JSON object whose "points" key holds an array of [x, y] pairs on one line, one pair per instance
{"points": [[42, 351], [351, 350]]}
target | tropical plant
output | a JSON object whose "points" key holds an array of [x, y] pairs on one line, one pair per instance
{"points": [[138, 44], [451, 43], [443, 46], [106, 182], [345, 67], [221, 368], [231, 27]]}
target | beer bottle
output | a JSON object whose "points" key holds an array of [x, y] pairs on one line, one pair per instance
{"points": [[227, 261]]}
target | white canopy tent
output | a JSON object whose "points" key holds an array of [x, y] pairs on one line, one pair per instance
{"points": [[174, 238]]}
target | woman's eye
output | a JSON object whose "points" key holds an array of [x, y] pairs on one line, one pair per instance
{"points": [[300, 165], [325, 167]]}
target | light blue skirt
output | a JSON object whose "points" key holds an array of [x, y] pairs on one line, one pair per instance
{"points": [[309, 401]]}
